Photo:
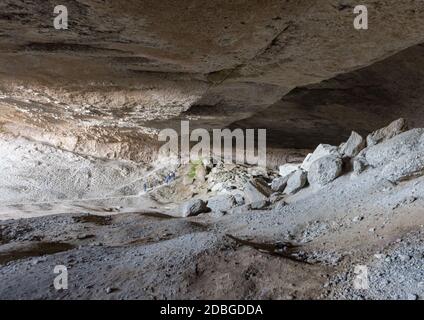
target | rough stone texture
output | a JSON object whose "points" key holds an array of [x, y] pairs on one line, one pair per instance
{"points": [[353, 146], [279, 184], [359, 165], [321, 151], [405, 143], [256, 191], [193, 207], [287, 169], [324, 170], [222, 203], [125, 70], [405, 167], [388, 132], [296, 182], [259, 205]]}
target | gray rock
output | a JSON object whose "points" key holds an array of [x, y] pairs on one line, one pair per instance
{"points": [[193, 207], [279, 184], [201, 173], [256, 190], [259, 205], [404, 168], [239, 199], [276, 197], [280, 205], [321, 151], [405, 143], [325, 170], [296, 182], [287, 169], [359, 165], [353, 145], [222, 203], [217, 214], [393, 129]]}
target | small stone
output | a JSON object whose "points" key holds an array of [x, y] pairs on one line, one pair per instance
{"points": [[259, 205], [358, 218], [109, 290], [276, 197], [279, 184], [412, 297], [287, 169], [393, 129], [193, 207], [359, 165], [256, 190], [222, 203], [353, 146], [296, 182]]}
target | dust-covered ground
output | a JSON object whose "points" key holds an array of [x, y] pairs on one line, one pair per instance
{"points": [[124, 243]]}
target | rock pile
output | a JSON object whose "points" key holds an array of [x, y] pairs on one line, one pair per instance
{"points": [[398, 154]]}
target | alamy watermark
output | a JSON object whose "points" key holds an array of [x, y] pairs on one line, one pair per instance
{"points": [[360, 21], [61, 281], [361, 282], [217, 143]]}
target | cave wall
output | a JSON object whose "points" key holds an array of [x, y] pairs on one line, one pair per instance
{"points": [[125, 69]]}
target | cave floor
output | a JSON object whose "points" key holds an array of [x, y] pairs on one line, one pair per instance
{"points": [[122, 248]]}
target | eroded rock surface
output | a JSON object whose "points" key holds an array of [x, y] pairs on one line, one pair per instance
{"points": [[125, 70]]}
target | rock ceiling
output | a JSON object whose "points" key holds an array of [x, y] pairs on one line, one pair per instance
{"points": [[125, 68]]}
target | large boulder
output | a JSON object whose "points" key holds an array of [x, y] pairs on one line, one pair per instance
{"points": [[325, 170], [296, 182], [405, 143], [405, 167], [393, 129], [353, 145], [321, 151], [193, 207]]}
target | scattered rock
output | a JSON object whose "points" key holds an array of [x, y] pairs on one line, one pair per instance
{"points": [[407, 143], [276, 197], [256, 190], [358, 218], [321, 151], [110, 290], [222, 203], [412, 296], [217, 214], [200, 173], [239, 199], [288, 168], [257, 172], [279, 184], [325, 170], [259, 205], [193, 207], [393, 129], [359, 165], [353, 146], [296, 182], [404, 168], [280, 205]]}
